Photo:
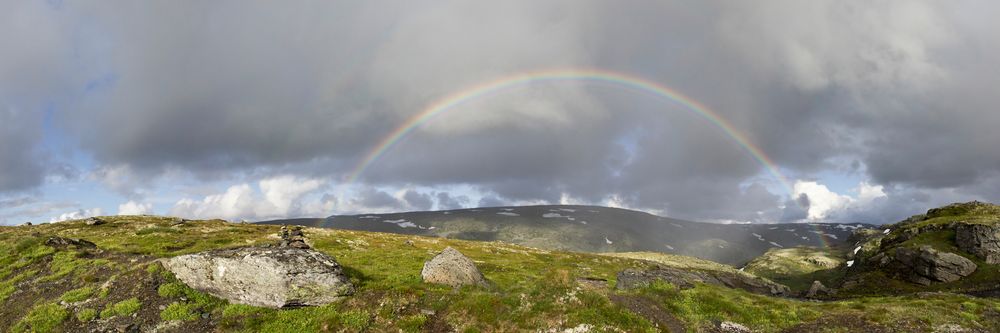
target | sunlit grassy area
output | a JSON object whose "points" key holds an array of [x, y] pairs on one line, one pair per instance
{"points": [[49, 290]]}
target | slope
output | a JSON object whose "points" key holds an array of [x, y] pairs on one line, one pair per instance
{"points": [[596, 229], [120, 286]]}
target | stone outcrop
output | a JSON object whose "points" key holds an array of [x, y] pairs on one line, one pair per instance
{"points": [[92, 221], [684, 279], [818, 290], [265, 277], [63, 242], [983, 241], [925, 265], [452, 268]]}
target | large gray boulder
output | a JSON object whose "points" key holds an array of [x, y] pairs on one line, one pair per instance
{"points": [[452, 268], [925, 265], [817, 289], [637, 278], [265, 277], [983, 241]]}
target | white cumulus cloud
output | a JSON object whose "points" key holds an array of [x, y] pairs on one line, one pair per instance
{"points": [[824, 203], [76, 215], [135, 208]]}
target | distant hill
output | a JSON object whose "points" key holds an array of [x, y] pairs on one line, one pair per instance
{"points": [[596, 229]]}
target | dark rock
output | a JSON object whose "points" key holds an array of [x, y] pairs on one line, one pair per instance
{"points": [[684, 279], [266, 277], [926, 265], [26, 224], [819, 290], [983, 241], [92, 221], [129, 328], [62, 242], [452, 268], [294, 238]]}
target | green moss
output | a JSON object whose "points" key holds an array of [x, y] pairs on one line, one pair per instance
{"points": [[179, 311], [414, 323], [85, 315], [355, 320], [77, 295], [9, 286], [123, 308], [171, 290], [46, 317], [63, 264]]}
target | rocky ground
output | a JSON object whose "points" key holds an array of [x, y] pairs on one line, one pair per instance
{"points": [[123, 274]]}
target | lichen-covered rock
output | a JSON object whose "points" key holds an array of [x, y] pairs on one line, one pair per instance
{"points": [[452, 268], [684, 279], [925, 265], [731, 327], [265, 277], [983, 241]]}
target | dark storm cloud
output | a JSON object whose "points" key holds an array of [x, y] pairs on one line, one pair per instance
{"points": [[904, 90], [418, 201], [446, 201], [378, 199], [31, 80]]}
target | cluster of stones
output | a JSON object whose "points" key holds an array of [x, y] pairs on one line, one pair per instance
{"points": [[293, 238]]}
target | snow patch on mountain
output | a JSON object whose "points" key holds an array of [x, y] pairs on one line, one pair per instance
{"points": [[403, 223]]}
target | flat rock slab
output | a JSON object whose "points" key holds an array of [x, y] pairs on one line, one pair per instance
{"points": [[265, 277]]}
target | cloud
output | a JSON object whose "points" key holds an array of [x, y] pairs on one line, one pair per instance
{"points": [[77, 214], [445, 201], [275, 197], [418, 201], [135, 208], [822, 204], [899, 95]]}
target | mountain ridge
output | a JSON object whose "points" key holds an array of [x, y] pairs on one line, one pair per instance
{"points": [[596, 229]]}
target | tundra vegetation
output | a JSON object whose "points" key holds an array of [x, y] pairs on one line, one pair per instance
{"points": [[58, 288]]}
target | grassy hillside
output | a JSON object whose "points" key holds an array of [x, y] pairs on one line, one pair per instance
{"points": [[54, 289], [798, 267], [935, 229], [596, 229]]}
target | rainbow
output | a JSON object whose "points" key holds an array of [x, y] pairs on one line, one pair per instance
{"points": [[489, 88]]}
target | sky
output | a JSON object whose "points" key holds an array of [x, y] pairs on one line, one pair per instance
{"points": [[837, 111]]}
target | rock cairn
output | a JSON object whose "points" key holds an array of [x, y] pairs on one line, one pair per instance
{"points": [[293, 237]]}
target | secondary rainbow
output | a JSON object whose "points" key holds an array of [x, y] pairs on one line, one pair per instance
{"points": [[489, 88]]}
